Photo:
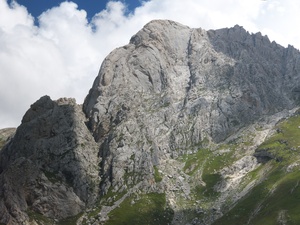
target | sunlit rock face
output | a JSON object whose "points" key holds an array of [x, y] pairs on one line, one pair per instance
{"points": [[172, 88], [171, 120]]}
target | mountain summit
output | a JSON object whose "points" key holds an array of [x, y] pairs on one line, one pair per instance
{"points": [[181, 126]]}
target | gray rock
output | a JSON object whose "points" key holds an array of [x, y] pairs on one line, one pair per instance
{"points": [[51, 164], [171, 91], [5, 135], [173, 88]]}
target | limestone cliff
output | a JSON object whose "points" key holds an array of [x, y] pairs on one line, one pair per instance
{"points": [[176, 129], [173, 89]]}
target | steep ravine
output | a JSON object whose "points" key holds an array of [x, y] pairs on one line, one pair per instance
{"points": [[181, 126]]}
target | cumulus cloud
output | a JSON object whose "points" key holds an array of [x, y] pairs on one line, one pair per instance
{"points": [[62, 55]]}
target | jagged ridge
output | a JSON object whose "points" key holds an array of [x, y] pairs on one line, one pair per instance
{"points": [[173, 120], [174, 87]]}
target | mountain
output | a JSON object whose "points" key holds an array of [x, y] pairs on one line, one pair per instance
{"points": [[181, 126]]}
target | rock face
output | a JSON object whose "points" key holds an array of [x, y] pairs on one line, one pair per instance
{"points": [[50, 166], [177, 112], [173, 87], [5, 135]]}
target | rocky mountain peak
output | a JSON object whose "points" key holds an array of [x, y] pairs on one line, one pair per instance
{"points": [[222, 68], [159, 113], [180, 88]]}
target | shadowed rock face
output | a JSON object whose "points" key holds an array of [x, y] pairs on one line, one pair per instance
{"points": [[50, 166], [172, 88]]}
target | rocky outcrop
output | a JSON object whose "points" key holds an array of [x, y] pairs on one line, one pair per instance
{"points": [[50, 166], [177, 112], [172, 88], [5, 135]]}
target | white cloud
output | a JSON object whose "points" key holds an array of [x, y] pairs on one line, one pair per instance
{"points": [[13, 15], [279, 19], [61, 57]]}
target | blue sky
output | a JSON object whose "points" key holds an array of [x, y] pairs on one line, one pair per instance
{"points": [[37, 7], [56, 48]]}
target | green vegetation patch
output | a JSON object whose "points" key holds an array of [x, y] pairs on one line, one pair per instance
{"points": [[254, 174], [143, 209], [157, 176], [42, 220], [279, 192], [194, 162], [38, 218], [112, 197], [276, 199], [285, 143], [208, 163], [208, 190], [70, 220]]}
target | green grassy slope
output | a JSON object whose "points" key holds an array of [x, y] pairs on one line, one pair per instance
{"points": [[145, 209], [276, 200]]}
